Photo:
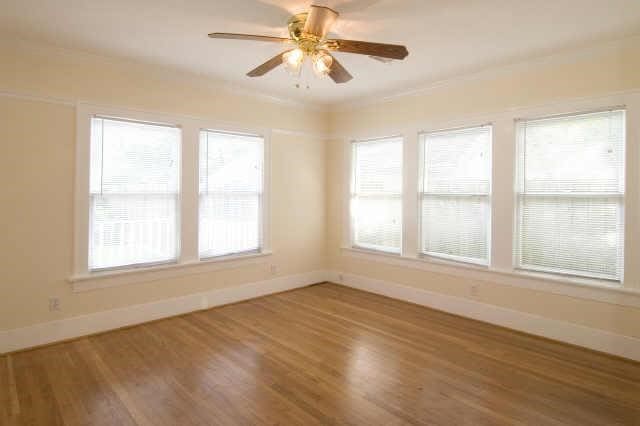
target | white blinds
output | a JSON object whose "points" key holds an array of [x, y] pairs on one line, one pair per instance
{"points": [[376, 196], [231, 187], [455, 212], [570, 195], [134, 191]]}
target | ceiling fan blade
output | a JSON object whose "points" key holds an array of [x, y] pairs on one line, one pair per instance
{"points": [[393, 51], [338, 73], [248, 37], [267, 66], [320, 20]]}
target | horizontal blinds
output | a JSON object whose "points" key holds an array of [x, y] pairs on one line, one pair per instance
{"points": [[376, 199], [570, 194], [455, 194], [134, 191], [231, 188]]}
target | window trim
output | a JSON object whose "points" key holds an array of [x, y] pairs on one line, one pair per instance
{"points": [[501, 270], [82, 278], [178, 196], [517, 265]]}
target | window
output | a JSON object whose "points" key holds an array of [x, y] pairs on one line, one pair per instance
{"points": [[231, 193], [134, 193], [376, 195], [570, 195], [455, 188]]}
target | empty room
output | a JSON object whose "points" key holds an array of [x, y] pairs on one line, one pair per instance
{"points": [[342, 212]]}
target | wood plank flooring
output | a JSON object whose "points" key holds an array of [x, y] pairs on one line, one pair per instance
{"points": [[324, 354]]}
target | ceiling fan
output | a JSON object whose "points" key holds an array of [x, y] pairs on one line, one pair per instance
{"points": [[308, 31]]}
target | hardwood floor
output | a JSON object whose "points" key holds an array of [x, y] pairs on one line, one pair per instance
{"points": [[324, 354]]}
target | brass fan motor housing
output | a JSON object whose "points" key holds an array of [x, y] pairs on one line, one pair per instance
{"points": [[308, 43]]}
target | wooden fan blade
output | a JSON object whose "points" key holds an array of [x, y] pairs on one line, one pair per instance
{"points": [[248, 37], [320, 20], [267, 66], [338, 73], [393, 51]]}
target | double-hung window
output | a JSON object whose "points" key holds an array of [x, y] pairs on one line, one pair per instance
{"points": [[455, 188], [570, 195], [134, 193], [231, 193], [376, 195]]}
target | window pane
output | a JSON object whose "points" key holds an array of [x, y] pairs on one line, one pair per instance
{"points": [[456, 226], [571, 235], [377, 223], [571, 186], [376, 204], [458, 161], [582, 153], [231, 182], [378, 167], [134, 186], [456, 183], [129, 157], [229, 223], [132, 229]]}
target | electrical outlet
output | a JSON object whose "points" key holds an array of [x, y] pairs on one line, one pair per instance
{"points": [[341, 278], [54, 304], [274, 269]]}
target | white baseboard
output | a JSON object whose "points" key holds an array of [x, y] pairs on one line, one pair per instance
{"points": [[69, 328], [599, 340]]}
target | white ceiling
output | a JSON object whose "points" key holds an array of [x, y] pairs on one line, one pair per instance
{"points": [[445, 38]]}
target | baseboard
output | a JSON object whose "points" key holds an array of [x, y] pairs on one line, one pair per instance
{"points": [[599, 340], [69, 328]]}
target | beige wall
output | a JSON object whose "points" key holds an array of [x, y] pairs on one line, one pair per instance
{"points": [[598, 71], [37, 174], [37, 169]]}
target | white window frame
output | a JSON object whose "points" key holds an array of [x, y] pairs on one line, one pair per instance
{"points": [[188, 260], [261, 223], [422, 140], [501, 269], [620, 197], [351, 186]]}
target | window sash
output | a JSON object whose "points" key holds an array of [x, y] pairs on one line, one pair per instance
{"points": [[206, 197], [485, 205], [211, 252], [455, 189], [393, 199], [565, 189], [131, 232], [616, 200]]}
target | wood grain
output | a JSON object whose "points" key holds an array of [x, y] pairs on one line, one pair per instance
{"points": [[324, 354], [382, 50]]}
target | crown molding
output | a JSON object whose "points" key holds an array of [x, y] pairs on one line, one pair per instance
{"points": [[557, 57], [171, 73]]}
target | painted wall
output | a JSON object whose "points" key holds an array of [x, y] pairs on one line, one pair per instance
{"points": [[37, 137], [37, 173], [605, 69]]}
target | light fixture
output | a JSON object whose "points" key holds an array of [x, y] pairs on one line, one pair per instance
{"points": [[293, 60], [322, 62]]}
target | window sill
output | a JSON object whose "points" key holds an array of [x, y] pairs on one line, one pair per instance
{"points": [[115, 277], [583, 288]]}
